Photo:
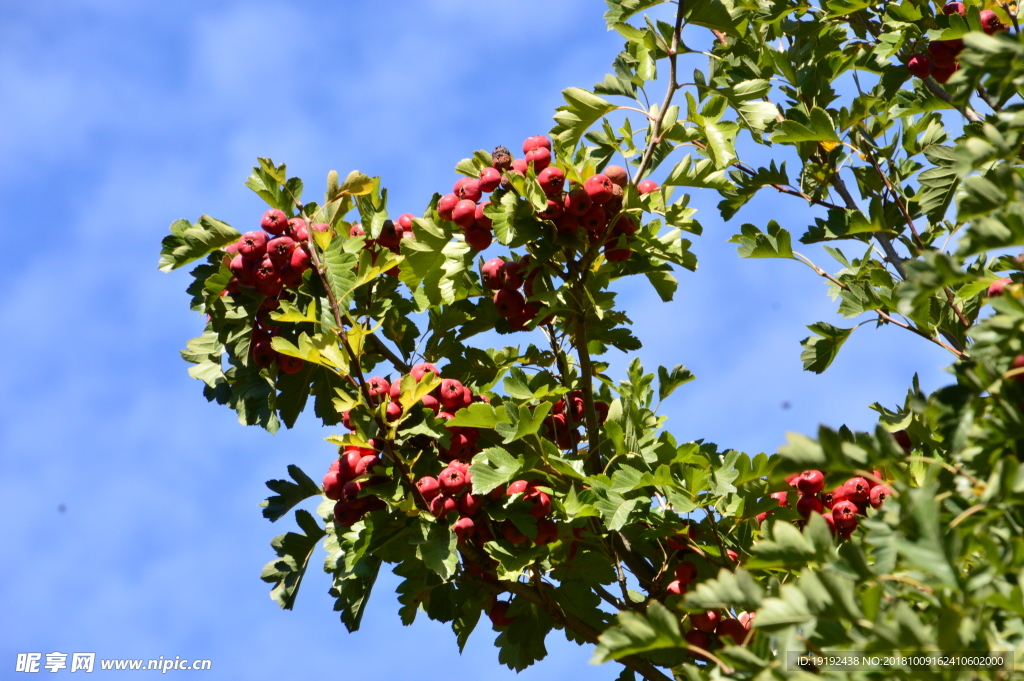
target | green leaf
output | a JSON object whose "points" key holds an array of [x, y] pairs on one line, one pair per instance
{"points": [[729, 590], [188, 242], [713, 14], [786, 548], [636, 634], [288, 493], [352, 591], [753, 243], [437, 548], [664, 284], [702, 174], [476, 415], [840, 8], [668, 381], [340, 266], [820, 129], [582, 110], [294, 551], [493, 467], [356, 184], [821, 349]]}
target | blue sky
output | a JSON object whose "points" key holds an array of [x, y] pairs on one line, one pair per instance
{"points": [[119, 117]]}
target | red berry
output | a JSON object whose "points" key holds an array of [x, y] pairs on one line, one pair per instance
{"points": [[490, 273], [253, 245], [498, 614], [452, 481], [676, 587], [405, 222], [686, 572], [333, 483], [446, 205], [470, 504], [289, 364], [539, 157], [553, 211], [595, 220], [356, 230], [519, 166], [955, 8], [943, 75], [451, 393], [903, 439], [990, 22], [468, 189], [422, 369], [464, 213], [274, 221], [577, 202], [537, 141], [599, 187], [511, 274], [478, 238], [511, 533], [995, 289], [698, 639], [810, 482], [732, 628], [442, 505], [647, 186], [367, 463], [551, 180], [830, 499], [541, 505], [782, 498], [831, 522], [705, 621], [844, 514], [345, 515], [547, 532], [878, 495], [481, 219], [942, 55], [857, 489], [807, 504], [299, 260], [377, 388], [393, 411], [429, 487], [464, 528], [617, 174], [489, 180], [430, 402]]}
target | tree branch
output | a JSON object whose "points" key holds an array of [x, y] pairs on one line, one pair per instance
{"points": [[672, 87]]}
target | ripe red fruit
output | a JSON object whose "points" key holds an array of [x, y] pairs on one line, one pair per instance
{"points": [[698, 639], [995, 289], [498, 614], [807, 504], [333, 483], [830, 499], [955, 8], [468, 189], [405, 221], [810, 482], [676, 588], [577, 202], [442, 505], [903, 439], [242, 269], [732, 555], [489, 180], [430, 402], [452, 481], [647, 186], [732, 628], [490, 273], [746, 619], [782, 497], [551, 180], [464, 213], [467, 399], [857, 489], [599, 187], [390, 235], [445, 206], [393, 411], [602, 411], [612, 254], [481, 219], [253, 245], [878, 495], [942, 55], [367, 463], [356, 230], [844, 514], [518, 487], [479, 238], [539, 157], [464, 528], [321, 227], [990, 22], [377, 388], [547, 532], [686, 572], [617, 174], [511, 533], [827, 515], [1018, 362], [289, 364], [451, 393], [274, 221], [519, 166], [429, 487], [567, 225], [470, 504], [508, 302], [299, 230], [299, 260], [705, 621], [348, 462], [423, 368], [350, 494], [541, 505], [511, 274], [536, 141], [553, 211], [263, 354], [345, 515], [595, 220], [943, 75]]}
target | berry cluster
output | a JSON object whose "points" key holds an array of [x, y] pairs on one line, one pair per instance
{"points": [[506, 278], [567, 415], [390, 237], [709, 629], [940, 62], [271, 261], [347, 477], [844, 503]]}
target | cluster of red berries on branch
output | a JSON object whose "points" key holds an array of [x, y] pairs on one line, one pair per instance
{"points": [[347, 477], [710, 629], [567, 415], [844, 504], [390, 238], [271, 261], [940, 61]]}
